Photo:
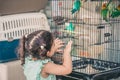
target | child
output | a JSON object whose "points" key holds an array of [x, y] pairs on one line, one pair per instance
{"points": [[35, 51]]}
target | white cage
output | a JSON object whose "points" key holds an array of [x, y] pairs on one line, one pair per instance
{"points": [[16, 25]]}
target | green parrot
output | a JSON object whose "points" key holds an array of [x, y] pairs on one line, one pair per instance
{"points": [[111, 8], [76, 6], [69, 26], [106, 10], [116, 12]]}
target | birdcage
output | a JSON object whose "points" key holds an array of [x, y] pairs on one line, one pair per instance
{"points": [[13, 27], [96, 42]]}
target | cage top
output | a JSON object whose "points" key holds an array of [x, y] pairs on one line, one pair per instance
{"points": [[8, 7]]}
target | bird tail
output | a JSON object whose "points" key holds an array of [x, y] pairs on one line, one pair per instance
{"points": [[73, 11]]}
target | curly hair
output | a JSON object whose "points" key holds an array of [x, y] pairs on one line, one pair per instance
{"points": [[36, 44]]}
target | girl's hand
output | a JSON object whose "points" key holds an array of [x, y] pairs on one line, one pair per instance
{"points": [[57, 44], [68, 47]]}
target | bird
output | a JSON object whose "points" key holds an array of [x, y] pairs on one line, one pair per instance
{"points": [[105, 12], [111, 8], [69, 26], [116, 12], [76, 6]]}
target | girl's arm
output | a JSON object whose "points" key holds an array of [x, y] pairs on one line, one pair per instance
{"points": [[65, 68]]}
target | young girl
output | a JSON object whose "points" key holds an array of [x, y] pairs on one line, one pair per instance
{"points": [[36, 50]]}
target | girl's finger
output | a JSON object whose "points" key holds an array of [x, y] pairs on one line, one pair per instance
{"points": [[59, 46], [60, 51], [58, 41]]}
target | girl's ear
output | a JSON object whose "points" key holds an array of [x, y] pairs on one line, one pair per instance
{"points": [[48, 54]]}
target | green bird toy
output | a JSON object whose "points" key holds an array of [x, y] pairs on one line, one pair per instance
{"points": [[116, 12], [76, 6], [69, 26]]}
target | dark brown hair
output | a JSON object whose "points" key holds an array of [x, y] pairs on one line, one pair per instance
{"points": [[36, 44]]}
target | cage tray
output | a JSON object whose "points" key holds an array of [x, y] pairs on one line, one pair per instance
{"points": [[94, 69], [93, 65]]}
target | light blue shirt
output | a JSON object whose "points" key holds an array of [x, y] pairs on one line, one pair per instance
{"points": [[32, 69]]}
